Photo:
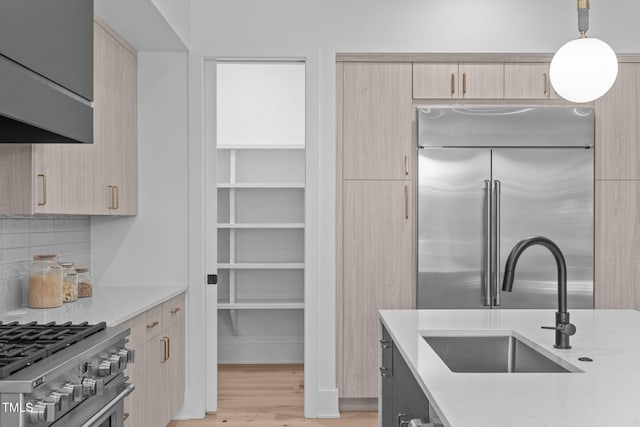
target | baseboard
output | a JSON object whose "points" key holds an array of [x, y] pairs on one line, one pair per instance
{"points": [[327, 403], [358, 404]]}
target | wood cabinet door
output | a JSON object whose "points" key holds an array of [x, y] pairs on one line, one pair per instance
{"points": [[618, 128], [617, 244], [176, 366], [378, 273], [115, 154], [377, 121], [435, 81], [481, 81], [526, 81]]}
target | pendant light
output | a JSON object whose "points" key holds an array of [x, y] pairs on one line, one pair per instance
{"points": [[584, 69]]}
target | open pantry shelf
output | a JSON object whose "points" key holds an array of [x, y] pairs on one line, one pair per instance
{"points": [[261, 185], [260, 305], [262, 225], [260, 265]]}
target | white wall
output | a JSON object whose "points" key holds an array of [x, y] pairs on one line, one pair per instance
{"points": [[178, 14], [151, 249], [317, 29]]}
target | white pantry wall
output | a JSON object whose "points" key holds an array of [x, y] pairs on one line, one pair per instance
{"points": [[317, 29]]}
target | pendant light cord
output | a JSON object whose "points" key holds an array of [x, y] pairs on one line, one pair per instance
{"points": [[583, 18]]}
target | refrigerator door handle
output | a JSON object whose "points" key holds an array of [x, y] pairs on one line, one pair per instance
{"points": [[496, 245], [487, 232]]}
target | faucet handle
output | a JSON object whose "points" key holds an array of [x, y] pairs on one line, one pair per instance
{"points": [[564, 328]]}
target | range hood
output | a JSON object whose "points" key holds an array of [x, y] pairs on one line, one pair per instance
{"points": [[46, 71]]}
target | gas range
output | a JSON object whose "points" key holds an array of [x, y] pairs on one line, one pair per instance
{"points": [[63, 374]]}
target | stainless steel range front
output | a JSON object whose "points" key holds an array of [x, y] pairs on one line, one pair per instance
{"points": [[66, 374]]}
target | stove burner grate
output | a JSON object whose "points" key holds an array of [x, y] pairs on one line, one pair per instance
{"points": [[22, 345]]}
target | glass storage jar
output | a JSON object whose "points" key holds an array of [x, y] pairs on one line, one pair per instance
{"points": [[45, 282], [85, 284], [69, 282]]}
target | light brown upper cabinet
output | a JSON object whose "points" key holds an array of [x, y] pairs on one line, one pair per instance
{"points": [[115, 155], [526, 81], [88, 179], [618, 127], [377, 129], [458, 81]]}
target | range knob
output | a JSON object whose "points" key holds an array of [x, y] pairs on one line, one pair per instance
{"points": [[104, 368], [74, 390], [42, 411], [60, 399], [92, 386], [128, 355], [117, 363]]}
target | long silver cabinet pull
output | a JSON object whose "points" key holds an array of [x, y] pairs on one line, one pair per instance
{"points": [[486, 297], [545, 82], [44, 189], [406, 201], [406, 165], [496, 245]]}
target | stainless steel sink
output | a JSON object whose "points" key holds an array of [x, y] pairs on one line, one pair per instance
{"points": [[486, 354]]}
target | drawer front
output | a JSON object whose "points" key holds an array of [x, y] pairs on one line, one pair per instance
{"points": [[153, 322], [173, 310]]}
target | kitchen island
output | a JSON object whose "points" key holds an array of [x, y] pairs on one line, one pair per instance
{"points": [[602, 392]]}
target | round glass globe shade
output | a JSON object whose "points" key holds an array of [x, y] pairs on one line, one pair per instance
{"points": [[583, 70]]}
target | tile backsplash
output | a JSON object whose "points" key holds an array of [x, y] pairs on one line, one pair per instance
{"points": [[22, 237]]}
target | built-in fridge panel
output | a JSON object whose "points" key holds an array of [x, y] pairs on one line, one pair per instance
{"points": [[490, 177], [546, 192], [451, 227]]}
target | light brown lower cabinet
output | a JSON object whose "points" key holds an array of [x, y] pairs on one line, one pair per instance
{"points": [[378, 266], [158, 336]]}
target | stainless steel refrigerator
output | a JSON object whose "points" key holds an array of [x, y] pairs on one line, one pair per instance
{"points": [[489, 177]]}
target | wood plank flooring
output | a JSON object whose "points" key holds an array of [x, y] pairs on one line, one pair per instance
{"points": [[268, 396]]}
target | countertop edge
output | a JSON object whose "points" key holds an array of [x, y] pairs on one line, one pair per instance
{"points": [[147, 306]]}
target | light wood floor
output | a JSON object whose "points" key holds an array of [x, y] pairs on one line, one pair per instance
{"points": [[268, 396]]}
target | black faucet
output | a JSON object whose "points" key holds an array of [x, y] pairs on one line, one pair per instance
{"points": [[564, 329]]}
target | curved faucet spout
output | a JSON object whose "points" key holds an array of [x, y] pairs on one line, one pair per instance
{"points": [[564, 329], [519, 248]]}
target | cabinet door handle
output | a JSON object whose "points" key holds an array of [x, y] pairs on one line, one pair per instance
{"points": [[464, 83], [168, 348], [152, 324], [44, 189], [175, 310], [406, 202], [164, 349], [115, 197], [453, 84], [545, 82], [406, 165], [112, 205]]}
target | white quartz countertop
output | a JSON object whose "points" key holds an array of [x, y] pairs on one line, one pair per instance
{"points": [[111, 304], [606, 393]]}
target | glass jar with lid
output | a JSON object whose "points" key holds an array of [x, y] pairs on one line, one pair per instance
{"points": [[69, 282], [85, 284], [45, 282]]}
